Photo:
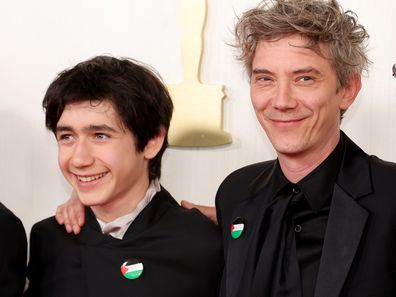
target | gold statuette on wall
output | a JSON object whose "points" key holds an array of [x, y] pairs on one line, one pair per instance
{"points": [[197, 119]]}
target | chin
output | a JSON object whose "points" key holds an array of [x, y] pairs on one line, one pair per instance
{"points": [[288, 149], [88, 201]]}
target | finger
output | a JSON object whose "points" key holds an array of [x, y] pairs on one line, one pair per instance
{"points": [[76, 229], [72, 216], [81, 219], [207, 211], [58, 214], [80, 214], [213, 217], [78, 209], [187, 204], [68, 226], [76, 217]]}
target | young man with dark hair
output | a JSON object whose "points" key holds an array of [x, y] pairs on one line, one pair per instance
{"points": [[110, 118]]}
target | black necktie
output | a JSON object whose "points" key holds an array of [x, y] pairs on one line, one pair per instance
{"points": [[277, 272]]}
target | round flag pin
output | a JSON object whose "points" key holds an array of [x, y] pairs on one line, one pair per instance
{"points": [[237, 228], [132, 269]]}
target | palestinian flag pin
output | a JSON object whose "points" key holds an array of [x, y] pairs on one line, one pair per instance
{"points": [[132, 269], [237, 228]]}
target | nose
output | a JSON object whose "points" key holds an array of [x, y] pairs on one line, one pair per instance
{"points": [[283, 98], [82, 155]]}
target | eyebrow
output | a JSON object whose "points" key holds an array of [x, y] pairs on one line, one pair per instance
{"points": [[261, 71], [307, 70], [297, 71], [90, 128]]}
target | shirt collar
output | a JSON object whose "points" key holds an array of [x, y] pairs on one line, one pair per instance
{"points": [[120, 225], [318, 185]]}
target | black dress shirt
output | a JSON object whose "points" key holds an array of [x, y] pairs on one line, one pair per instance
{"points": [[306, 216]]}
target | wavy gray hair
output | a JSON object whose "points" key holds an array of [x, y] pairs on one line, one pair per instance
{"points": [[320, 21]]}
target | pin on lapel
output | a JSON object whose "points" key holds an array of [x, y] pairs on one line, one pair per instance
{"points": [[237, 227], [132, 269]]}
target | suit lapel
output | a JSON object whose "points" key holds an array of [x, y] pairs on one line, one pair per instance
{"points": [[147, 218], [346, 221], [238, 249], [344, 231], [160, 203], [241, 251]]}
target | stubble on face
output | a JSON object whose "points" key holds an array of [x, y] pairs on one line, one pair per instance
{"points": [[294, 94]]}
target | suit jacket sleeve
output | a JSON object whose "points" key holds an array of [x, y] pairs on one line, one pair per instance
{"points": [[33, 272], [13, 248]]}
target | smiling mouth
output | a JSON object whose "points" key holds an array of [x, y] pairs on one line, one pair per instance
{"points": [[286, 117], [86, 179], [286, 120]]}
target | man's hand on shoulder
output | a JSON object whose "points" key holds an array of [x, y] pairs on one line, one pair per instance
{"points": [[208, 211], [71, 214]]}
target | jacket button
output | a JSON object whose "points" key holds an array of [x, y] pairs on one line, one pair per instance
{"points": [[297, 228]]}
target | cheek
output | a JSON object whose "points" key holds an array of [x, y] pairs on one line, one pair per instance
{"points": [[64, 168], [318, 102], [113, 157], [258, 101], [326, 113], [62, 158]]}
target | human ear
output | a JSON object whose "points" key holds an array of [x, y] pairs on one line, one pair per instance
{"points": [[154, 145], [350, 91]]}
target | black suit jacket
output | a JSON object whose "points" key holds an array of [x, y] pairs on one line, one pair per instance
{"points": [[359, 251], [13, 251], [180, 250]]}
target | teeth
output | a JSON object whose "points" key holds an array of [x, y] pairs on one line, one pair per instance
{"points": [[90, 178]]}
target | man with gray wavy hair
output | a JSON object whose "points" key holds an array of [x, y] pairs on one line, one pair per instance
{"points": [[320, 219]]}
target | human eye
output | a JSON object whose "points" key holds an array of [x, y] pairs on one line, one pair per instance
{"points": [[102, 136], [64, 138], [305, 80], [262, 79]]}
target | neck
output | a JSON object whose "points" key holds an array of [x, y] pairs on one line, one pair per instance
{"points": [[119, 207], [296, 167]]}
